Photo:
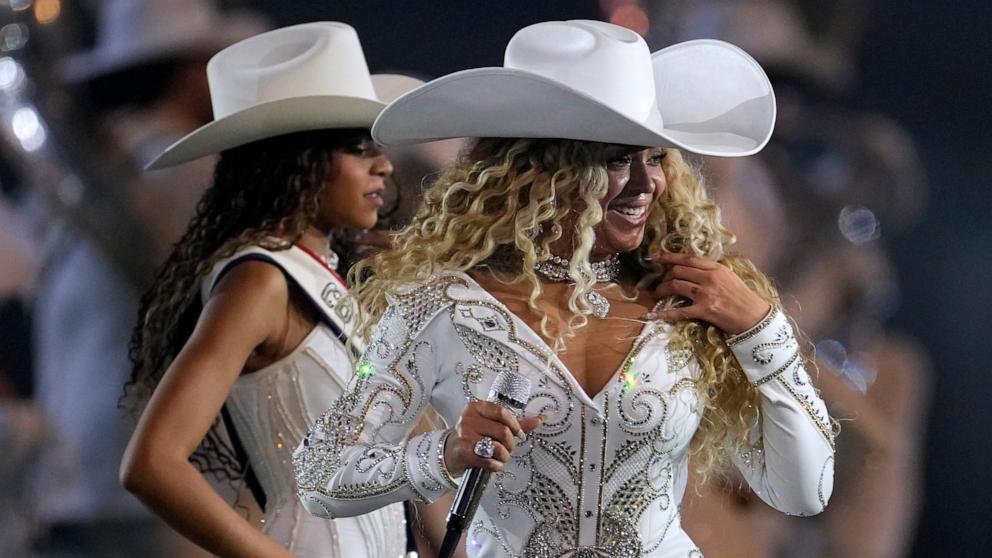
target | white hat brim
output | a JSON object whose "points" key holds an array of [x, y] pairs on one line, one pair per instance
{"points": [[285, 116], [266, 120], [714, 99]]}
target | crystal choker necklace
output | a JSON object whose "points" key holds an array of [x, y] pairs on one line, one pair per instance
{"points": [[607, 271]]}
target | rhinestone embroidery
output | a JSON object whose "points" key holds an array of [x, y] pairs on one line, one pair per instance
{"points": [[756, 329], [557, 489], [762, 354]]}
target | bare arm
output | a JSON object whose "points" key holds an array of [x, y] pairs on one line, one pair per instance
{"points": [[244, 311]]}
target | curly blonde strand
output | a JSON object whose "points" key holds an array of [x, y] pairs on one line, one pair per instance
{"points": [[502, 206]]}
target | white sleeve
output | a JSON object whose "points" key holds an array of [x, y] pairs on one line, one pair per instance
{"points": [[790, 463], [356, 457]]}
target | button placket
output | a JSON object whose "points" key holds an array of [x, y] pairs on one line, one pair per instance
{"points": [[592, 450]]}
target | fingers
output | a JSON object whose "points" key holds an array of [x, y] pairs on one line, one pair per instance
{"points": [[497, 431], [481, 419], [693, 274], [501, 455], [497, 413], [719, 296], [459, 454], [686, 260], [678, 287], [528, 424]]}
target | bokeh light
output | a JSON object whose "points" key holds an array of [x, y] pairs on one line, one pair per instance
{"points": [[47, 11], [626, 13], [11, 74], [13, 36], [28, 129], [858, 224]]}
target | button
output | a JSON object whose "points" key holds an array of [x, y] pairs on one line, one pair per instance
{"points": [[592, 466], [588, 513], [595, 420]]}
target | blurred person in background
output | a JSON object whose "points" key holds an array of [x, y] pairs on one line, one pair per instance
{"points": [[20, 250], [851, 174], [141, 87], [248, 323], [828, 181], [22, 429]]}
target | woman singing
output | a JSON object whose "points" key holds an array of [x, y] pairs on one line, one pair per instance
{"points": [[573, 246]]}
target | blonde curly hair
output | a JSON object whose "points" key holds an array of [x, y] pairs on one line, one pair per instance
{"points": [[502, 206]]}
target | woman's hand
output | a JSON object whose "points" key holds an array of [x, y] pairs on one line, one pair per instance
{"points": [[718, 295], [484, 418]]}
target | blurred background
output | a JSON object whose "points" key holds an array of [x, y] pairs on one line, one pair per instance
{"points": [[869, 209]]}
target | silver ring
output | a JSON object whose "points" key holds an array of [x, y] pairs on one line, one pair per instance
{"points": [[484, 448]]}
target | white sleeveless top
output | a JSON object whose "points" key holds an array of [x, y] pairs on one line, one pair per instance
{"points": [[271, 409]]}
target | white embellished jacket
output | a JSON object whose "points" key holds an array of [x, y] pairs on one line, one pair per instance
{"points": [[603, 476]]}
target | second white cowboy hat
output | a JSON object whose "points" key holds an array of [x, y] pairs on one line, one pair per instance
{"points": [[595, 81], [311, 76]]}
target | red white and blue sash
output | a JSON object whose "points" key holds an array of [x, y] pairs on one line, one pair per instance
{"points": [[325, 289]]}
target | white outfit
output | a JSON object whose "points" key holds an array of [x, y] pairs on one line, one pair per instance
{"points": [[603, 476], [272, 407]]}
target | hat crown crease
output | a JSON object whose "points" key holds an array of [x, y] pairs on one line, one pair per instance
{"points": [[307, 60], [610, 64]]}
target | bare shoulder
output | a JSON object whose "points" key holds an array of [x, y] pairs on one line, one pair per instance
{"points": [[251, 284], [252, 277]]}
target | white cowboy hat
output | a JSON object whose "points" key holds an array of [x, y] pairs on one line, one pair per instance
{"points": [[311, 76], [133, 32], [594, 81]]}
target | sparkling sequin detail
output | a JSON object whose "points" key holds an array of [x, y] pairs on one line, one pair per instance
{"points": [[819, 485], [806, 400], [753, 457], [778, 371], [603, 475], [762, 354], [343, 425], [757, 328]]}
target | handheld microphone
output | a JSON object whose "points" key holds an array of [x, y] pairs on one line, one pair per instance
{"points": [[511, 391]]}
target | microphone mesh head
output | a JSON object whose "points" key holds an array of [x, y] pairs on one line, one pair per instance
{"points": [[510, 387]]}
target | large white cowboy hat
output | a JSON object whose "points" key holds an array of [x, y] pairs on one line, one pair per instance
{"points": [[311, 76], [133, 32], [594, 81]]}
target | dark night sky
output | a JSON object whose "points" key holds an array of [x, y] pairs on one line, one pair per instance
{"points": [[928, 64]]}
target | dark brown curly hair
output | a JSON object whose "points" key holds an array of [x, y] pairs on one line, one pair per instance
{"points": [[266, 188]]}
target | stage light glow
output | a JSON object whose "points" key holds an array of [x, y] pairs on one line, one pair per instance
{"points": [[858, 224], [858, 376], [19, 5], [631, 16], [47, 11], [11, 74], [13, 36], [28, 129]]}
